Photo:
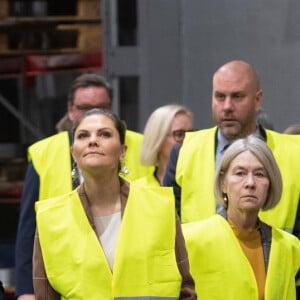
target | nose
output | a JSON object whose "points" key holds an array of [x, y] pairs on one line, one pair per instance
{"points": [[227, 103], [249, 181], [93, 140]]}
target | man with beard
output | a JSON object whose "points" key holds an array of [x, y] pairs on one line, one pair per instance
{"points": [[236, 98]]}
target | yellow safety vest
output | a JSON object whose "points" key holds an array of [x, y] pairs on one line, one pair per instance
{"points": [[134, 140], [150, 179], [222, 271], [195, 173], [145, 261], [286, 150], [51, 158]]}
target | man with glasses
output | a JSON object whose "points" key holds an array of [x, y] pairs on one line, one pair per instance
{"points": [[50, 166]]}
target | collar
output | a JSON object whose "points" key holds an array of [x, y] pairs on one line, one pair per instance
{"points": [[222, 141]]}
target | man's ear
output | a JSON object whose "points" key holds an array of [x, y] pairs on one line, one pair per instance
{"points": [[258, 100]]}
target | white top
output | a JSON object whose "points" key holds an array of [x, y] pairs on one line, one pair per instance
{"points": [[108, 228]]}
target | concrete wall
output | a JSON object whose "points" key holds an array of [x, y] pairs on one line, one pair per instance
{"points": [[182, 42]]}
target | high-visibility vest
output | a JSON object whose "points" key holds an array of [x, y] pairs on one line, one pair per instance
{"points": [[145, 260], [149, 179], [195, 173], [134, 168], [51, 158], [222, 271]]}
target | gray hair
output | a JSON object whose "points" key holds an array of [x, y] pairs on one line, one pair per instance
{"points": [[264, 154]]}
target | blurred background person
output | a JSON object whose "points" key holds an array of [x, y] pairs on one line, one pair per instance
{"points": [[263, 119], [164, 129], [236, 255], [292, 129], [118, 249]]}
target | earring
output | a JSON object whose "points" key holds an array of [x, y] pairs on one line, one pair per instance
{"points": [[74, 172], [225, 198], [123, 169]]}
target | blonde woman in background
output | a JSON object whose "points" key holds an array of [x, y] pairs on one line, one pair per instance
{"points": [[164, 129]]}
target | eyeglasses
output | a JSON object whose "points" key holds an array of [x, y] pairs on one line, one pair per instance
{"points": [[179, 135], [86, 107]]}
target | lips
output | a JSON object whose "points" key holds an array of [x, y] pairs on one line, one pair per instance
{"points": [[228, 120], [249, 196], [92, 153]]}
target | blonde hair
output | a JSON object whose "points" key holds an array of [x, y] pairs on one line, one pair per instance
{"points": [[156, 130]]}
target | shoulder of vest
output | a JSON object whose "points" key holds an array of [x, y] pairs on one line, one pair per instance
{"points": [[132, 133], [144, 183], [286, 235], [288, 142], [194, 135], [149, 180], [51, 139], [59, 141], [195, 140], [60, 200]]}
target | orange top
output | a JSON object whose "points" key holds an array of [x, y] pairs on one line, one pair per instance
{"points": [[250, 242]]}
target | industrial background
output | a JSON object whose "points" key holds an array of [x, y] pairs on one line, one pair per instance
{"points": [[180, 43], [154, 52]]}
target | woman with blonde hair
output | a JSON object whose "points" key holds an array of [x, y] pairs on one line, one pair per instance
{"points": [[164, 129]]}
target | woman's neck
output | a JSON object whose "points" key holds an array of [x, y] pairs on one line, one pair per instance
{"points": [[160, 174], [247, 221], [103, 196]]}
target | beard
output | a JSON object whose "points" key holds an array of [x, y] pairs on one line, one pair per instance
{"points": [[232, 132]]}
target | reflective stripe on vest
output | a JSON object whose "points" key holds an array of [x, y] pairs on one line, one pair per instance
{"points": [[145, 262], [149, 180]]}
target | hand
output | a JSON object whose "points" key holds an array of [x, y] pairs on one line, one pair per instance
{"points": [[26, 297]]}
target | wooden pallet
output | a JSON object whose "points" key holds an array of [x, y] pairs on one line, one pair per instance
{"points": [[89, 8]]}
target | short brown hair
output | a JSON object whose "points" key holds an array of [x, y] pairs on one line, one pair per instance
{"points": [[89, 80]]}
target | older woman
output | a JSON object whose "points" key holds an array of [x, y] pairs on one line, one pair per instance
{"points": [[106, 239], [237, 256], [165, 128]]}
